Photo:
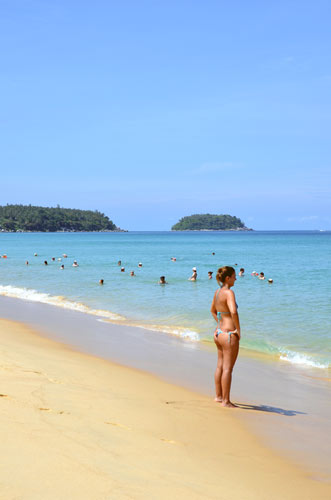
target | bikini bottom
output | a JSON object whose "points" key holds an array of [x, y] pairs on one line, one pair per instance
{"points": [[218, 331]]}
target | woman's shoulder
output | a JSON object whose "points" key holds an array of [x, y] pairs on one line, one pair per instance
{"points": [[229, 293]]}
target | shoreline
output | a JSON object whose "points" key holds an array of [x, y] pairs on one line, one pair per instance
{"points": [[183, 332], [99, 430], [284, 392]]}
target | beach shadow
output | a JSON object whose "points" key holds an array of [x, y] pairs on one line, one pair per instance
{"points": [[270, 409]]}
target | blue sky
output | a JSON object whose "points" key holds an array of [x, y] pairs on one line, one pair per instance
{"points": [[153, 110]]}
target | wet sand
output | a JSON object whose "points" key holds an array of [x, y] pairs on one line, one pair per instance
{"points": [[285, 408]]}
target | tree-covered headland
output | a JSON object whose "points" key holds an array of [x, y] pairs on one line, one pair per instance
{"points": [[210, 222], [48, 219]]}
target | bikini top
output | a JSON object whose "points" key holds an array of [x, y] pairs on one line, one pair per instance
{"points": [[219, 313]]}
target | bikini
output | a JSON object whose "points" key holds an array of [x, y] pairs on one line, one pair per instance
{"points": [[219, 317]]}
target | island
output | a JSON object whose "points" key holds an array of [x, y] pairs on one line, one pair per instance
{"points": [[210, 222], [29, 218]]}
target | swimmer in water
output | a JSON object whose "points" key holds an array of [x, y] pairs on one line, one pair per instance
{"points": [[270, 280], [227, 333], [62, 266], [75, 263], [26, 262], [140, 264], [194, 275], [132, 273], [122, 269], [162, 281], [101, 282], [45, 262], [210, 275], [261, 277], [242, 271], [119, 263]]}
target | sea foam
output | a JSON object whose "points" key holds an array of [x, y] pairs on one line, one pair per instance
{"points": [[60, 301], [55, 300], [301, 359]]}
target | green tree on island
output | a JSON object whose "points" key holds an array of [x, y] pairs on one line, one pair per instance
{"points": [[47, 219], [200, 222]]}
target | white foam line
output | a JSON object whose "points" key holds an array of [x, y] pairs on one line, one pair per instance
{"points": [[177, 331], [300, 359], [44, 298], [59, 301]]}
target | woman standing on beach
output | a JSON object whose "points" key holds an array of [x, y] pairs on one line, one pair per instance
{"points": [[227, 333]]}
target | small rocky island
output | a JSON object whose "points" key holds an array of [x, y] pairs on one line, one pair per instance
{"points": [[210, 222], [28, 218]]}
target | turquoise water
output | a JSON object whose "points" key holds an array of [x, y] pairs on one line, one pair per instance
{"points": [[289, 319]]}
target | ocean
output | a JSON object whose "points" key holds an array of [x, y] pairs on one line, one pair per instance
{"points": [[288, 319]]}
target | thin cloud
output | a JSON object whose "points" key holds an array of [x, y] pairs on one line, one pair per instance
{"points": [[305, 218], [288, 63], [212, 167]]}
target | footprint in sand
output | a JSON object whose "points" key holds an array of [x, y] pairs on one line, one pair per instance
{"points": [[54, 411], [53, 380], [171, 441], [119, 425]]}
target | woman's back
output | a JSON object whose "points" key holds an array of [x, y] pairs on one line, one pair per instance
{"points": [[223, 299]]}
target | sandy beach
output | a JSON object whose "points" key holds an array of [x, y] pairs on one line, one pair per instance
{"points": [[76, 426]]}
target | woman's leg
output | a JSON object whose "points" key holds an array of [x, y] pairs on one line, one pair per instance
{"points": [[230, 354], [218, 373]]}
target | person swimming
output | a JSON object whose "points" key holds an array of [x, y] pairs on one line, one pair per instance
{"points": [[75, 263], [210, 275], [242, 271], [162, 281], [194, 275]]}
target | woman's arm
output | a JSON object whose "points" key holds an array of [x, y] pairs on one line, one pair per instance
{"points": [[231, 303], [213, 309]]}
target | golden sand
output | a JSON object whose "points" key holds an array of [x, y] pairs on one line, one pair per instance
{"points": [[75, 426]]}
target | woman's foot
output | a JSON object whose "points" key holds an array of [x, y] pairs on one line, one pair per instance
{"points": [[218, 400], [228, 404]]}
